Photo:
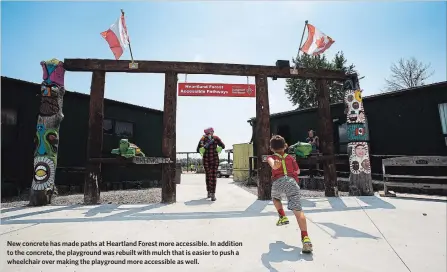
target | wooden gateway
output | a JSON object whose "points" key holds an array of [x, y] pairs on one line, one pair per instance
{"points": [[171, 70]]}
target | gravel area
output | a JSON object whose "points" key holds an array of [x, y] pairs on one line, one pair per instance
{"points": [[143, 196], [304, 193]]}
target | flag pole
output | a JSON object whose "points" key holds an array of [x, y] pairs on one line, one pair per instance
{"points": [[130, 47], [302, 37], [301, 42]]}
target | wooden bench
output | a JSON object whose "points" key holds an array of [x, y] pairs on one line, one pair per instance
{"points": [[440, 182]]}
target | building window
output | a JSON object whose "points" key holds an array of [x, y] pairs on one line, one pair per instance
{"points": [[343, 136], [443, 116], [124, 129], [107, 126], [118, 128], [9, 117]]}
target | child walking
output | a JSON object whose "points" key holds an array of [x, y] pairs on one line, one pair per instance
{"points": [[285, 172]]}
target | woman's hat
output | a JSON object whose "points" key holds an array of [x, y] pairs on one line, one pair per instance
{"points": [[208, 130]]}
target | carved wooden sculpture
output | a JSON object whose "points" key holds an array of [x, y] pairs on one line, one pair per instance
{"points": [[47, 135], [358, 137]]}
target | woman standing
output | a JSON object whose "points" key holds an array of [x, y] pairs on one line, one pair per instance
{"points": [[209, 147]]}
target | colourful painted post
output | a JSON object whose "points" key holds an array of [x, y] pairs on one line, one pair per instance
{"points": [[47, 135], [358, 137]]}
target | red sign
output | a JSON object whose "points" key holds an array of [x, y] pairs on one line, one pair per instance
{"points": [[216, 89]]}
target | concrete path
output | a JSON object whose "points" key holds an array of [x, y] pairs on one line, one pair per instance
{"points": [[349, 234]]}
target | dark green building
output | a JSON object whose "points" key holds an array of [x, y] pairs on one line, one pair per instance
{"points": [[20, 103], [407, 122]]}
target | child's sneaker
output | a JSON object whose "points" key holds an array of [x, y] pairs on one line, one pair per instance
{"points": [[307, 245], [283, 220]]}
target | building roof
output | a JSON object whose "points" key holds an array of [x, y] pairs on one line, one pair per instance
{"points": [[88, 95], [367, 98]]}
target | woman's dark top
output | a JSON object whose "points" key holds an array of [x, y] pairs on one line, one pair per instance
{"points": [[314, 144]]}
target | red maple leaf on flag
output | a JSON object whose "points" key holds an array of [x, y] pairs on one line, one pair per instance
{"points": [[320, 42]]}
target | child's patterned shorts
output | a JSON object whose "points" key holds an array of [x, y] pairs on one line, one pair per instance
{"points": [[289, 187]]}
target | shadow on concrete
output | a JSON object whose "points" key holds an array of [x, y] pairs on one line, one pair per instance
{"points": [[258, 206], [256, 209], [56, 209], [305, 203], [374, 201], [421, 199], [106, 208], [280, 252], [196, 202], [7, 210], [343, 231], [337, 203]]}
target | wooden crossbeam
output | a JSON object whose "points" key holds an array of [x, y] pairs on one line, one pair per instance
{"points": [[88, 65]]}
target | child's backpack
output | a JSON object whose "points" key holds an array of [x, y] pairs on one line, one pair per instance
{"points": [[300, 149]]}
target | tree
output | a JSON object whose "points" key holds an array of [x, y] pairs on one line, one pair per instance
{"points": [[303, 93], [407, 73]]}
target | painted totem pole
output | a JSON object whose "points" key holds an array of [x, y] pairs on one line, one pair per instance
{"points": [[47, 135], [358, 137]]}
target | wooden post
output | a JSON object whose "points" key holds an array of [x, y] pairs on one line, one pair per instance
{"points": [[327, 138], [263, 136], [47, 135], [358, 137], [187, 162], [95, 136], [168, 189], [250, 167]]}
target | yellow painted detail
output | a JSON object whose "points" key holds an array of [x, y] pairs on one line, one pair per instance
{"points": [[358, 95], [41, 173]]}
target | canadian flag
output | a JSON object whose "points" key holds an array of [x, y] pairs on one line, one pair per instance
{"points": [[317, 42], [117, 37]]}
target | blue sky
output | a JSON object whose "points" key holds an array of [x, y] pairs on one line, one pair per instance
{"points": [[372, 36]]}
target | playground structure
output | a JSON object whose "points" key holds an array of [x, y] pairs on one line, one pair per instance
{"points": [[171, 70], [189, 166], [193, 160]]}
